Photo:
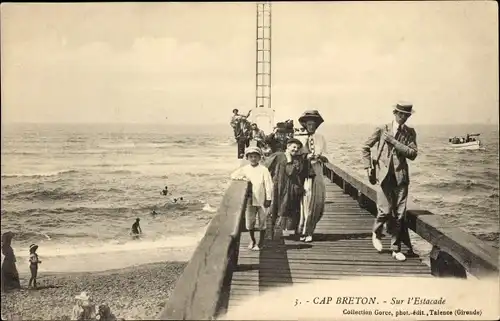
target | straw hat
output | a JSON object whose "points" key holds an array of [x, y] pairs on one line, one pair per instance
{"points": [[404, 107], [33, 247], [83, 296], [311, 115]]}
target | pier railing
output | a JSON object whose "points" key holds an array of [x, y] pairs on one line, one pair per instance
{"points": [[454, 252], [202, 291]]}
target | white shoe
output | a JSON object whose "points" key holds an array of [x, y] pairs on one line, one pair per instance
{"points": [[302, 238], [308, 239], [286, 233], [377, 244], [399, 256], [256, 248], [251, 246]]}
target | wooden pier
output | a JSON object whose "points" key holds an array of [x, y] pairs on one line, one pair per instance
{"points": [[223, 272]]}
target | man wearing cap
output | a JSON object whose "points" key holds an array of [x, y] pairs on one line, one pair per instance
{"points": [[397, 142]]}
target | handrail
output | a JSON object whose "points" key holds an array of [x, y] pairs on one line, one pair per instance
{"points": [[201, 290], [449, 243]]}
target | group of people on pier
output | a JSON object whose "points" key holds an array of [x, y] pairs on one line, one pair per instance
{"points": [[247, 133], [288, 184]]}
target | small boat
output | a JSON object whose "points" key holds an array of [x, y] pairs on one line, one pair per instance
{"points": [[469, 142]]}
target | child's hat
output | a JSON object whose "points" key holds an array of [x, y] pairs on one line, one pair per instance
{"points": [[33, 247], [82, 296], [253, 150]]}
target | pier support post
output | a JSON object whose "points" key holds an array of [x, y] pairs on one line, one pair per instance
{"points": [[345, 186], [444, 265], [361, 200]]}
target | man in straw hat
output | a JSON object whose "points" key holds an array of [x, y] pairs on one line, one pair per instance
{"points": [[397, 142], [262, 192]]}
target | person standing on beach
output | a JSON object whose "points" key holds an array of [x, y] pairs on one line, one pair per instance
{"points": [[262, 189], [136, 228], [397, 142], [313, 202], [10, 276], [34, 261]]}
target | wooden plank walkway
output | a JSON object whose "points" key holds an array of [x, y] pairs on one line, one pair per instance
{"points": [[342, 247]]}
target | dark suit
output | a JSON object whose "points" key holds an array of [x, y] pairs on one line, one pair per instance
{"points": [[394, 178]]}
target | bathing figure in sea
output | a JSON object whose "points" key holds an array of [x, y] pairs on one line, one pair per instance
{"points": [[165, 191], [136, 228], [153, 213], [34, 261]]}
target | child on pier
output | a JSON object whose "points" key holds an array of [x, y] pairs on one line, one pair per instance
{"points": [[262, 188]]}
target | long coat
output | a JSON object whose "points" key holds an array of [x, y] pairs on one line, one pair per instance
{"points": [[288, 184]]}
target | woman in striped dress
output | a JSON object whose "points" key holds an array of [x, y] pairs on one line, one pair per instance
{"points": [[313, 201]]}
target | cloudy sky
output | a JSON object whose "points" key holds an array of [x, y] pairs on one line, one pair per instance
{"points": [[195, 62]]}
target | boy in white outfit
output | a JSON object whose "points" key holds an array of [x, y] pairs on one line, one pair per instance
{"points": [[262, 189]]}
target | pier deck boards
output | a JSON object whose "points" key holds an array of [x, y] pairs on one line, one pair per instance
{"points": [[342, 247]]}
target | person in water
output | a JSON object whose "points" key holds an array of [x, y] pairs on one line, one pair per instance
{"points": [[136, 228], [165, 191], [34, 261], [154, 213], [262, 189]]}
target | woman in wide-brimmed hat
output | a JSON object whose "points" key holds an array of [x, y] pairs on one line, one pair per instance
{"points": [[10, 276], [288, 170], [313, 200]]}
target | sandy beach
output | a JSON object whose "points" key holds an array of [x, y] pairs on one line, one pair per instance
{"points": [[137, 293]]}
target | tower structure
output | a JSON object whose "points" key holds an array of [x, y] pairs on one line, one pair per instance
{"points": [[263, 113]]}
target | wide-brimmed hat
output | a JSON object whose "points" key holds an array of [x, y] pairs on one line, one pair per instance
{"points": [[253, 150], [294, 141], [311, 115], [82, 296], [33, 247], [404, 107]]}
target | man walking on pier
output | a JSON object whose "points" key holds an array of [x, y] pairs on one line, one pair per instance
{"points": [[397, 142]]}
